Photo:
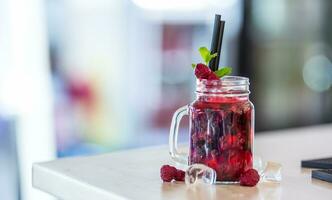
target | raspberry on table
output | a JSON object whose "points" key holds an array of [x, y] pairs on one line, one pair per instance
{"points": [[179, 176], [167, 173], [249, 178]]}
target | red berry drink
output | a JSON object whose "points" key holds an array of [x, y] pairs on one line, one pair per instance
{"points": [[222, 127]]}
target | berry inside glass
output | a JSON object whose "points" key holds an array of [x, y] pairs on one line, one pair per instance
{"points": [[222, 127]]}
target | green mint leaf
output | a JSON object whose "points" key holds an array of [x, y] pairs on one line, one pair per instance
{"points": [[223, 71], [193, 65], [205, 54]]}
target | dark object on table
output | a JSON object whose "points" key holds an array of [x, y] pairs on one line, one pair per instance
{"points": [[322, 174], [323, 163]]}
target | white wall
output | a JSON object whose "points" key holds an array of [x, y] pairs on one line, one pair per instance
{"points": [[25, 87]]}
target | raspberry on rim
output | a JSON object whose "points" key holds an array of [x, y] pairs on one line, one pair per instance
{"points": [[202, 71]]}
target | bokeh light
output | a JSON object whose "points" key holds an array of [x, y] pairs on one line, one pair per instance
{"points": [[317, 73]]}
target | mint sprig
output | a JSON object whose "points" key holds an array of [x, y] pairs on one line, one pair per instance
{"points": [[206, 55]]}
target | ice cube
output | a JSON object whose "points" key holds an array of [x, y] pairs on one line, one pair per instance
{"points": [[268, 171], [259, 164], [272, 172], [199, 173]]}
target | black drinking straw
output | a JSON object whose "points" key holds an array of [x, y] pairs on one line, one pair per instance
{"points": [[218, 32]]}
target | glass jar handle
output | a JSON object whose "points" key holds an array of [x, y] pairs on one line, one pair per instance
{"points": [[180, 158]]}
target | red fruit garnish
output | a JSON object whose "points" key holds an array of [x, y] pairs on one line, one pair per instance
{"points": [[167, 173], [179, 176], [204, 72], [249, 178], [213, 76]]}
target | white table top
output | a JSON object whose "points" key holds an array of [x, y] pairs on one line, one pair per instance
{"points": [[134, 174]]}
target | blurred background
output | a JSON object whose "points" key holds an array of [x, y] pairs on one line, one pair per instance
{"points": [[81, 77]]}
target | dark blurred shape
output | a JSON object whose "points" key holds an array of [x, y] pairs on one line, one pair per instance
{"points": [[286, 52]]}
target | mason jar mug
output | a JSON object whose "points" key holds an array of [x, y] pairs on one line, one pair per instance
{"points": [[221, 128]]}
